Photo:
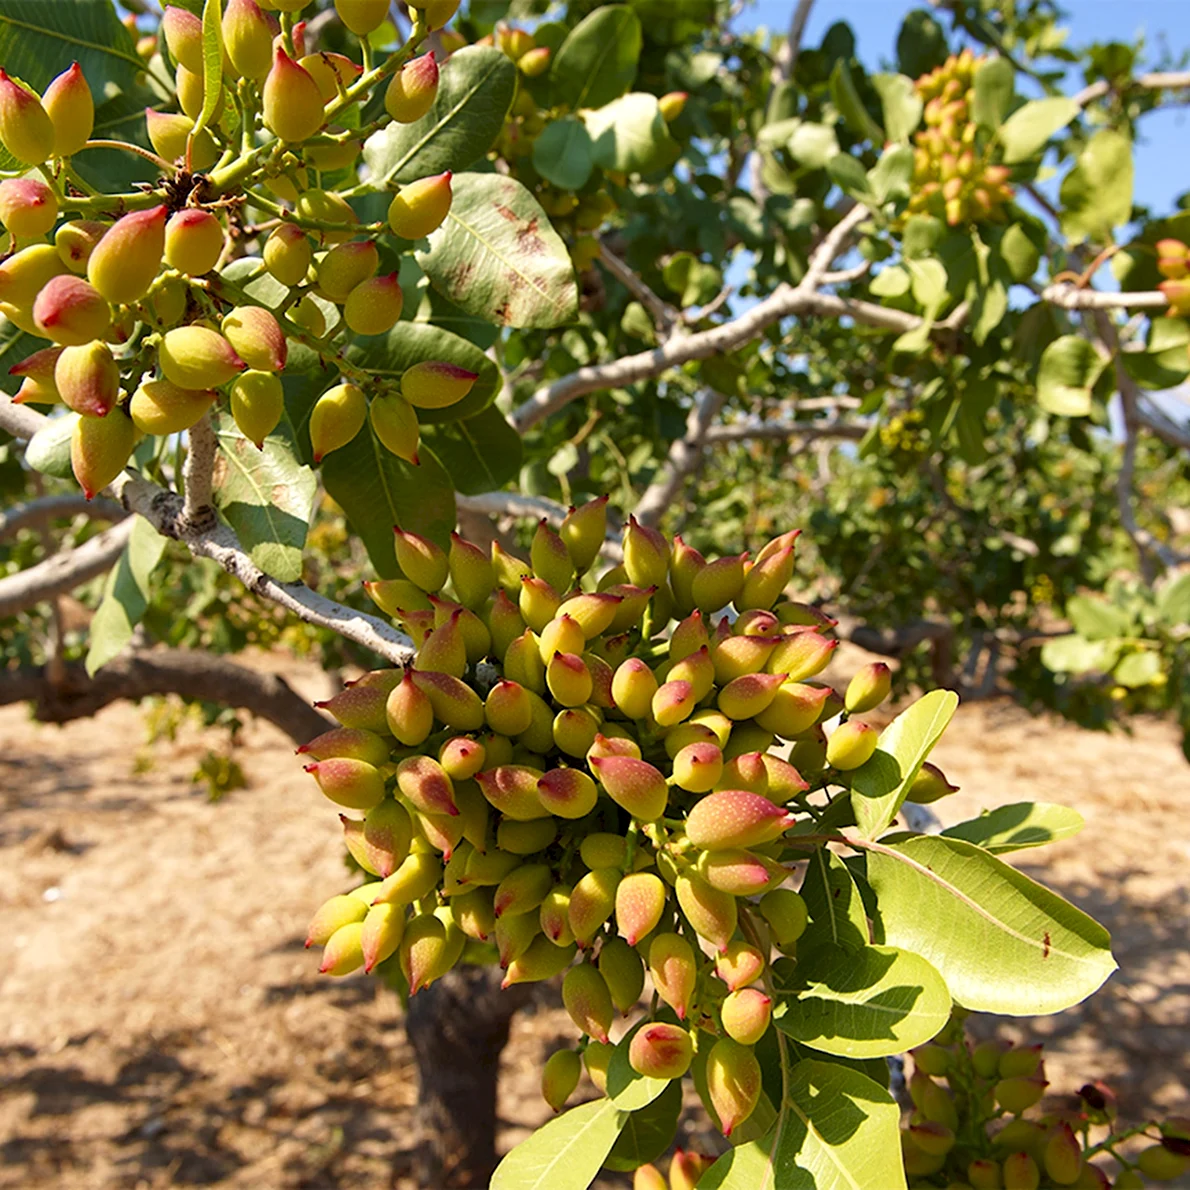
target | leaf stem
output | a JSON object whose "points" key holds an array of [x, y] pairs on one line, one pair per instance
{"points": [[160, 162]]}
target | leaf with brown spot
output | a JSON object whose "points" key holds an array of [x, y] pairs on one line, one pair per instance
{"points": [[498, 257]]}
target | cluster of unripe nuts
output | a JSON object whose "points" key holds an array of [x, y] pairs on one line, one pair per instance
{"points": [[953, 177], [1173, 263], [564, 780], [969, 1128], [146, 332]]}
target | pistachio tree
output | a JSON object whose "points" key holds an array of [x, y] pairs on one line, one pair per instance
{"points": [[300, 289]]}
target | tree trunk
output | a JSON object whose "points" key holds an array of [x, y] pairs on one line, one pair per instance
{"points": [[458, 1028]]}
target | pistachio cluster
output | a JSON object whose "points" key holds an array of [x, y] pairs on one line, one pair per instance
{"points": [[953, 176], [970, 1125], [564, 780], [147, 330]]}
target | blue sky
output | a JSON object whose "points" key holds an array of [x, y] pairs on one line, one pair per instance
{"points": [[1161, 168]]}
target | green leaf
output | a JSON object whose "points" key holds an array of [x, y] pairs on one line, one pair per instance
{"points": [[475, 91], [15, 345], [902, 105], [1173, 603], [993, 86], [1020, 253], [647, 1133], [1138, 669], [48, 451], [851, 107], [812, 145], [125, 596], [377, 491], [630, 135], [1069, 368], [1027, 130], [891, 176], [564, 1154], [38, 40], [1096, 196], [838, 1131], [1074, 654], [892, 281], [266, 496], [597, 61], [868, 1003], [850, 176], [1096, 619], [562, 154], [929, 282], [1018, 825], [498, 256], [212, 63], [1003, 943], [836, 911], [878, 787], [481, 454], [410, 343], [1165, 362]]}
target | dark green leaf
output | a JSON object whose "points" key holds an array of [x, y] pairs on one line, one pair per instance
{"points": [[497, 256], [1069, 368], [481, 454], [851, 107], [597, 62], [902, 105], [993, 87], [48, 451], [833, 902], [212, 62], [647, 1133], [562, 154], [1173, 603], [475, 91], [377, 491]]}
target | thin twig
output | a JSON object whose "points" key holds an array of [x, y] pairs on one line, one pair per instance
{"points": [[664, 315], [47, 508], [1158, 80], [1071, 297]]}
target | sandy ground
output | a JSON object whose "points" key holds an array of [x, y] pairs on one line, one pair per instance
{"points": [[161, 1025]]}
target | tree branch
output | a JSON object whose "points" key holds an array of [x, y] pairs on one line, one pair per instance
{"points": [[684, 456], [778, 429], [1158, 80], [663, 314], [788, 55], [199, 473], [784, 301], [166, 512], [136, 675], [47, 508], [1071, 297], [62, 572]]}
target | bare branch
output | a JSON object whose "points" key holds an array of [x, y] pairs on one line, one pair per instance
{"points": [[663, 314], [37, 512], [775, 429], [1158, 80], [199, 472], [166, 512], [695, 314], [844, 276], [784, 301], [17, 420], [1147, 544], [684, 456], [1070, 297], [788, 56], [62, 572], [136, 675], [1164, 427]]}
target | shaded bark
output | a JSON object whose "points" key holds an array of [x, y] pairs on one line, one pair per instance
{"points": [[136, 675], [458, 1028]]}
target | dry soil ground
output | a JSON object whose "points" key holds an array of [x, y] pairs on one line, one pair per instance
{"points": [[161, 1025]]}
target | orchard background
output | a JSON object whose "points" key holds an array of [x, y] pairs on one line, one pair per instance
{"points": [[924, 300]]}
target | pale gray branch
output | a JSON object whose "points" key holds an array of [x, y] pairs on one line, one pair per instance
{"points": [[62, 572], [1071, 297], [784, 301], [787, 58], [683, 458], [37, 512], [165, 511], [1157, 80], [775, 429], [199, 472], [1164, 427]]}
